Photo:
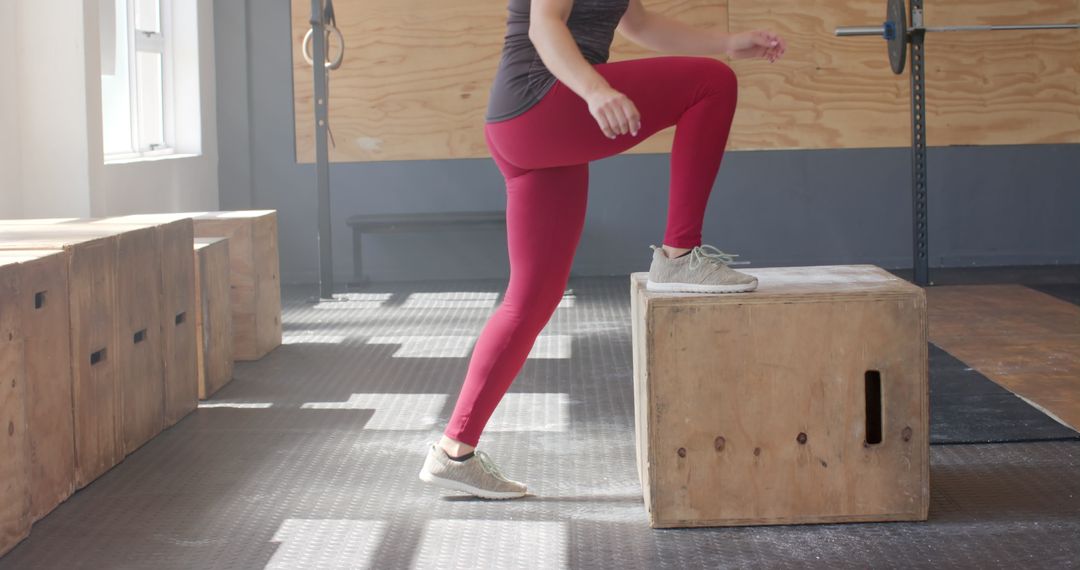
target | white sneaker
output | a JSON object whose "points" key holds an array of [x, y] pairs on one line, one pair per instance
{"points": [[699, 271], [477, 475]]}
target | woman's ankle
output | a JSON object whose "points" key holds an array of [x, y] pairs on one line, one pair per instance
{"points": [[455, 448], [672, 252]]}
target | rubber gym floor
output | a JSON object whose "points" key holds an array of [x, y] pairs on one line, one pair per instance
{"points": [[309, 457]]}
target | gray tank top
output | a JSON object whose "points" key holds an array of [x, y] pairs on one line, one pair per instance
{"points": [[522, 79]]}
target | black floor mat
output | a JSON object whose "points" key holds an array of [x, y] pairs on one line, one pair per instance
{"points": [[1065, 291], [967, 407]]}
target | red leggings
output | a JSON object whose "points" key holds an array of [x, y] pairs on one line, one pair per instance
{"points": [[544, 155]]}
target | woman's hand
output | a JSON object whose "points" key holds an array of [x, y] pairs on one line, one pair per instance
{"points": [[614, 112], [755, 44]]}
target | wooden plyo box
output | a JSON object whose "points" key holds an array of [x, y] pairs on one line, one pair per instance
{"points": [[213, 316], [805, 401], [254, 276], [14, 442], [42, 307], [140, 341], [174, 235], [92, 268]]}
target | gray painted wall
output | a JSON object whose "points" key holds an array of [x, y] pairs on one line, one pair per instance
{"points": [[988, 205], [233, 103]]}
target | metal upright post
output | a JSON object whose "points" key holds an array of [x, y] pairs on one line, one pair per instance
{"points": [[899, 34], [322, 162], [918, 148]]}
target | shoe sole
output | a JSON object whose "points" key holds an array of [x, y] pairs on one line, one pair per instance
{"points": [[699, 288], [466, 488]]}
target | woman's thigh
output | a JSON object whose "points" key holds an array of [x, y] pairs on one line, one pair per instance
{"points": [[560, 131]]}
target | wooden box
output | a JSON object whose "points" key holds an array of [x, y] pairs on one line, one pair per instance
{"points": [[254, 271], [92, 267], [14, 443], [175, 235], [140, 341], [254, 280], [805, 401], [41, 304], [140, 348], [213, 317]]}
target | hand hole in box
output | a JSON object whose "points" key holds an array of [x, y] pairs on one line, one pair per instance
{"points": [[873, 407]]}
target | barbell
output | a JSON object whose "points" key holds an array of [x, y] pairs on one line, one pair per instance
{"points": [[897, 31]]}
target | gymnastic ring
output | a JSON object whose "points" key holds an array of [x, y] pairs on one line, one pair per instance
{"points": [[306, 47]]}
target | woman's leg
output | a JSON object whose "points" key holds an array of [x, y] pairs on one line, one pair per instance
{"points": [[695, 94], [545, 212], [543, 154]]}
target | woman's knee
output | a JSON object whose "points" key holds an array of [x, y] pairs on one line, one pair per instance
{"points": [[718, 76], [531, 309]]}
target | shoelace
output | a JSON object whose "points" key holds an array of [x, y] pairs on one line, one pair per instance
{"points": [[699, 255], [489, 465]]}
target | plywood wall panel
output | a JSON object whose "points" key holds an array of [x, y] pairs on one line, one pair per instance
{"points": [[826, 92], [1017, 87], [417, 74], [414, 83]]}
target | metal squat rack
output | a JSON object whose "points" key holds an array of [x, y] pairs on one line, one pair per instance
{"points": [[900, 34]]}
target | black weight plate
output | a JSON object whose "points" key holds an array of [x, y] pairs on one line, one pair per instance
{"points": [[897, 18]]}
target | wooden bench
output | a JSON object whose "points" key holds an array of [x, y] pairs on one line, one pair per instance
{"points": [[401, 223]]}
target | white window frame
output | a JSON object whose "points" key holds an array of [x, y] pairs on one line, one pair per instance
{"points": [[161, 43]]}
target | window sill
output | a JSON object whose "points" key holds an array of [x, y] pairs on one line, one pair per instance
{"points": [[133, 159]]}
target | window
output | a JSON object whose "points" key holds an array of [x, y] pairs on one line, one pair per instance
{"points": [[136, 78]]}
